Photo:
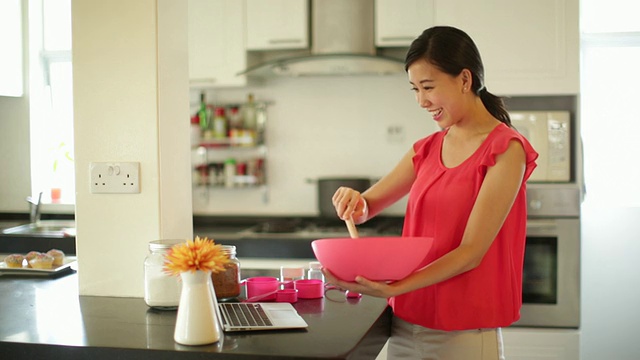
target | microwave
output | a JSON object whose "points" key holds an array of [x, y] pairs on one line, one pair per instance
{"points": [[549, 132]]}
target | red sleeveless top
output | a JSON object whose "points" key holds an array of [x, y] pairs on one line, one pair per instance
{"points": [[439, 205]]}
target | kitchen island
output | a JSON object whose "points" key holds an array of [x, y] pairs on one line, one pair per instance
{"points": [[45, 318]]}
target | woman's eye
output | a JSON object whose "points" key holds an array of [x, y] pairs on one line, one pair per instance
{"points": [[414, 89]]}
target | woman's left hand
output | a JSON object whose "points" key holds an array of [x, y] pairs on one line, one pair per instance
{"points": [[361, 285]]}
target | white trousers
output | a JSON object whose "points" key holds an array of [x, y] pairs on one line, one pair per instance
{"points": [[409, 341]]}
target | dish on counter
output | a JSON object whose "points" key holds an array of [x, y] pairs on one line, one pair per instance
{"points": [[66, 265]]}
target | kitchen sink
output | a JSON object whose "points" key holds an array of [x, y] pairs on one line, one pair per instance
{"points": [[57, 228]]}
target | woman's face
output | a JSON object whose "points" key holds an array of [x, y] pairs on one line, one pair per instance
{"points": [[439, 93]]}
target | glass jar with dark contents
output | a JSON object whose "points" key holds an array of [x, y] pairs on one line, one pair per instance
{"points": [[226, 283]]}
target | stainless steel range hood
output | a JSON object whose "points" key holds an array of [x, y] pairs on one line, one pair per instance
{"points": [[342, 34]]}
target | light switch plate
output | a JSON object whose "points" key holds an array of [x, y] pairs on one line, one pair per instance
{"points": [[395, 134], [115, 177]]}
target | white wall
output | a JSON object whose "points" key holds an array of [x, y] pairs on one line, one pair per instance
{"points": [[321, 127], [130, 86], [14, 141], [15, 169]]}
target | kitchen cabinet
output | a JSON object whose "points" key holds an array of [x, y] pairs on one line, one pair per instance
{"points": [[216, 43], [528, 47], [267, 28], [398, 22], [541, 344]]}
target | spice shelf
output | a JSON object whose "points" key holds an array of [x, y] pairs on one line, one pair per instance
{"points": [[236, 160]]}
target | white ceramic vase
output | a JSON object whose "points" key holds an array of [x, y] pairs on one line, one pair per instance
{"points": [[196, 322]]}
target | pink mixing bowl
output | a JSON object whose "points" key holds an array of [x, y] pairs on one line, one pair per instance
{"points": [[375, 258]]}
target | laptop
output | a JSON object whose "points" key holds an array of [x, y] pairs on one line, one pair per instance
{"points": [[259, 316]]}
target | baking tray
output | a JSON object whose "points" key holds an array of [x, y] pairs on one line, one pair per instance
{"points": [[69, 262]]}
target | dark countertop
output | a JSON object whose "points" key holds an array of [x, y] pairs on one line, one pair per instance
{"points": [[45, 318]]}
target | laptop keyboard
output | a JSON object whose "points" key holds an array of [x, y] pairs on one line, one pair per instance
{"points": [[244, 314]]}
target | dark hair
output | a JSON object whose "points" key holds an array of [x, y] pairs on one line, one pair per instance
{"points": [[452, 50]]}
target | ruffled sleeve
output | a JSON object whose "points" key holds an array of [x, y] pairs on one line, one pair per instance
{"points": [[500, 143], [423, 146]]}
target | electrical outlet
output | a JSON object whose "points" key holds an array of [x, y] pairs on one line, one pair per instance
{"points": [[115, 178]]}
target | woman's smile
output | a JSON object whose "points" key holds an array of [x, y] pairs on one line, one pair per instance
{"points": [[436, 113]]}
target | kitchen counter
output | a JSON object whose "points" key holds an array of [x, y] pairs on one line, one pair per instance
{"points": [[45, 318]]}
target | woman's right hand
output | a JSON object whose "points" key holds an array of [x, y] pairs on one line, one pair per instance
{"points": [[349, 204]]}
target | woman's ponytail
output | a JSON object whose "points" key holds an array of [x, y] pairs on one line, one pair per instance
{"points": [[495, 106]]}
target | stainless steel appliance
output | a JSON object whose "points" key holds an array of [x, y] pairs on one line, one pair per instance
{"points": [[342, 43], [550, 134], [551, 280], [321, 227]]}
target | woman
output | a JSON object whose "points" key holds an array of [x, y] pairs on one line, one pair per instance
{"points": [[466, 186]]}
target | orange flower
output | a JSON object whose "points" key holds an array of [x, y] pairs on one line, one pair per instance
{"points": [[192, 255]]}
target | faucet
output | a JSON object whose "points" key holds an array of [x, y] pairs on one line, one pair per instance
{"points": [[34, 208]]}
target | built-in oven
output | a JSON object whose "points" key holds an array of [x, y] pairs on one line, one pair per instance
{"points": [[551, 277]]}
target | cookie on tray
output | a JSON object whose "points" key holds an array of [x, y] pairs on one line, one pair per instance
{"points": [[58, 257], [14, 260], [31, 255], [41, 261]]}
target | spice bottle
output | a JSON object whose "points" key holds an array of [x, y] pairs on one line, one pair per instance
{"points": [[315, 271], [219, 124], [235, 126], [195, 131], [250, 120], [161, 291], [235, 118], [230, 173], [226, 283], [203, 116]]}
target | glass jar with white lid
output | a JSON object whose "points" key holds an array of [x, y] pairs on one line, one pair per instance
{"points": [[161, 290]]}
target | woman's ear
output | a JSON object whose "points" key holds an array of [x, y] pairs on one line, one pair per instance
{"points": [[467, 80]]}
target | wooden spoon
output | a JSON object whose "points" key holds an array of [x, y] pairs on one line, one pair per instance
{"points": [[353, 232]]}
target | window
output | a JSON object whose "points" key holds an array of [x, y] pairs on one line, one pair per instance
{"points": [[51, 102], [610, 43]]}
